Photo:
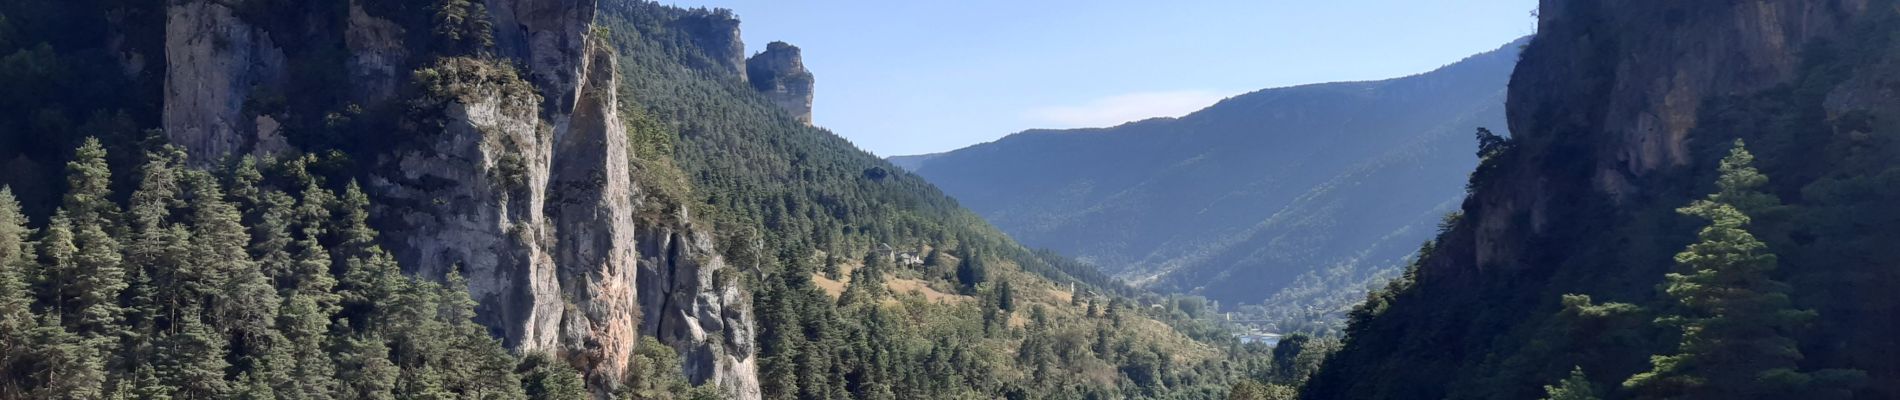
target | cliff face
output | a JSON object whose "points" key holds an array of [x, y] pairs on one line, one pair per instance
{"points": [[779, 73], [214, 60], [549, 244], [1625, 83], [692, 301], [1619, 110]]}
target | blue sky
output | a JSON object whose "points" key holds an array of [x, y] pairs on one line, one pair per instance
{"points": [[908, 77]]}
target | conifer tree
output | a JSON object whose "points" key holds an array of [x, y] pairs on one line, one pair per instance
{"points": [[97, 275], [58, 254], [1006, 296], [66, 365], [1574, 387], [369, 274], [476, 365], [163, 276], [17, 321], [268, 215], [364, 368], [16, 254], [971, 272], [544, 378], [244, 306], [191, 362], [1735, 318], [311, 302]]}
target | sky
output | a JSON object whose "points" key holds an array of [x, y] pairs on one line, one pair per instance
{"points": [[901, 77]]}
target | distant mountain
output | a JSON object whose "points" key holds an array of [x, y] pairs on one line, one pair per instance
{"points": [[1296, 197]]}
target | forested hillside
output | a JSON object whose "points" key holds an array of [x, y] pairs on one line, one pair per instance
{"points": [[1697, 204], [1292, 200], [543, 199], [930, 300]]}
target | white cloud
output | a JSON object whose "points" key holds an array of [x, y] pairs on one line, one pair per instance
{"points": [[1122, 108]]}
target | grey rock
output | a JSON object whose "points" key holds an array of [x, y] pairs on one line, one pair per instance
{"points": [[215, 61], [779, 73]]}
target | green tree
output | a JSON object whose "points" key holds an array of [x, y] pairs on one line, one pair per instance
{"points": [[66, 365], [164, 277], [191, 361], [364, 368], [1575, 387], [95, 275], [1251, 390], [1006, 296], [1736, 320], [971, 272], [17, 320], [310, 303], [369, 274], [1286, 355], [244, 305], [544, 378]]}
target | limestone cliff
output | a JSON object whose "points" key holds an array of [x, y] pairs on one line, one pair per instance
{"points": [[779, 73], [525, 188], [692, 301], [214, 62], [1618, 111], [1629, 96]]}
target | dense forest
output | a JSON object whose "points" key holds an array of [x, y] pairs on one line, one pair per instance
{"points": [[140, 270], [257, 281], [446, 199], [973, 315]]}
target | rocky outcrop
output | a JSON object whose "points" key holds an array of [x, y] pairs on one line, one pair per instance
{"points": [[550, 39], [377, 54], [1630, 96], [531, 198], [716, 33], [692, 302], [1654, 69], [549, 244], [215, 61], [779, 73]]}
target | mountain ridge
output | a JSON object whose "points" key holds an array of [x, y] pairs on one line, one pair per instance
{"points": [[1253, 159]]}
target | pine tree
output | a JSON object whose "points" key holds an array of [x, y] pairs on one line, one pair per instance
{"points": [[88, 191], [268, 214], [305, 317], [58, 263], [971, 272], [780, 341], [476, 365], [369, 274], [96, 276], [1575, 387], [244, 304], [1735, 318], [544, 378], [17, 321], [1006, 296], [66, 366], [192, 358], [364, 367], [164, 277]]}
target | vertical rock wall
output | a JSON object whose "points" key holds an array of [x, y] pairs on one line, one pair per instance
{"points": [[779, 73], [526, 190], [214, 62]]}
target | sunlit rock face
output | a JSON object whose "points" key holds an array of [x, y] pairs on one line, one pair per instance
{"points": [[779, 73], [525, 190]]}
